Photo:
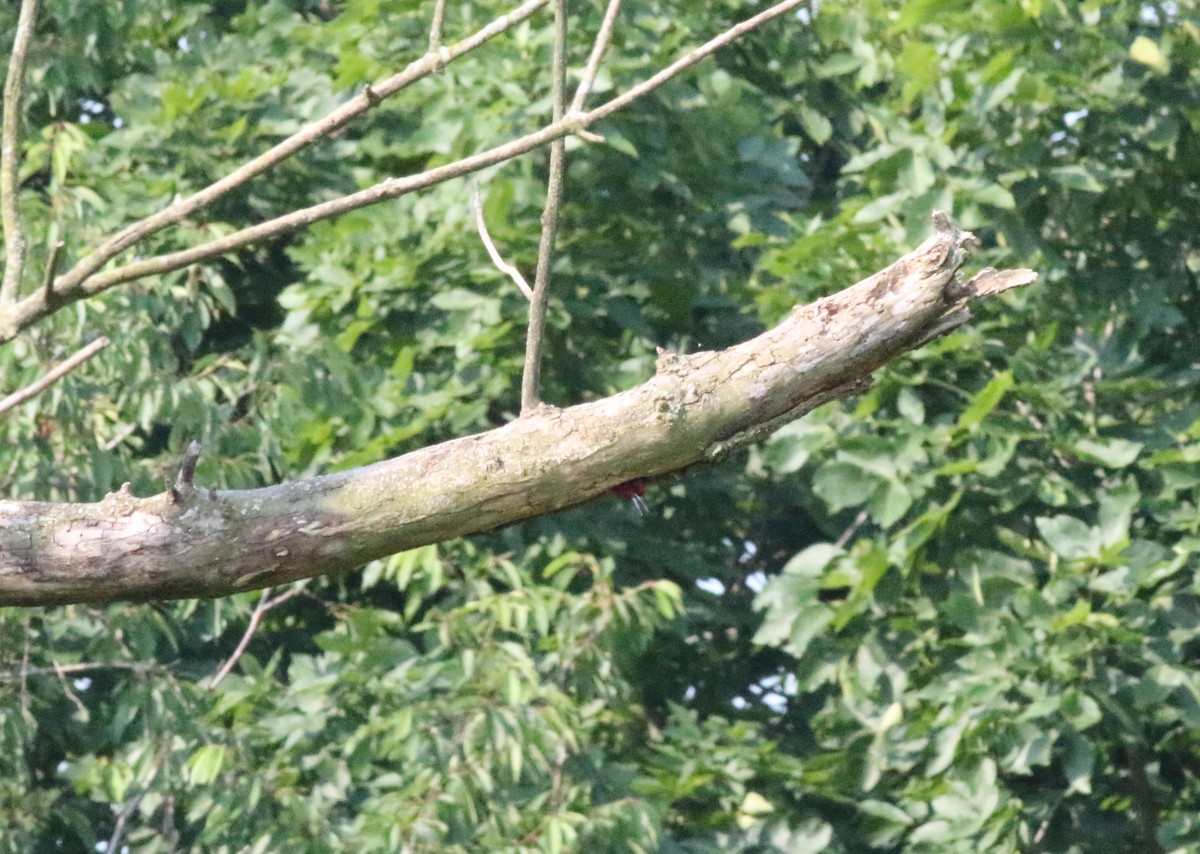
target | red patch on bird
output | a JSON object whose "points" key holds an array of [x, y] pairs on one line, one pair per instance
{"points": [[633, 490]]}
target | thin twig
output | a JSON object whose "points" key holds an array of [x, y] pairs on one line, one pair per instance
{"points": [[532, 375], [122, 434], [370, 97], [603, 37], [38, 386], [435, 26], [34, 307], [852, 529], [502, 265], [10, 215], [264, 605], [71, 695]]}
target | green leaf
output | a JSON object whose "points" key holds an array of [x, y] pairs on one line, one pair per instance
{"points": [[1116, 512], [985, 401], [1076, 178], [816, 125], [843, 484], [1110, 453], [1079, 765], [1147, 52], [205, 764], [1069, 537]]}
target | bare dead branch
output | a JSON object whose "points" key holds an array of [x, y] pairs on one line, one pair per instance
{"points": [[531, 377], [68, 290], [226, 541], [370, 97], [599, 46], [51, 377], [10, 215], [493, 253], [264, 605]]}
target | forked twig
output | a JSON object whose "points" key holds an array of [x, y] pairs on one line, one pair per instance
{"points": [[531, 377], [54, 375], [497, 259], [35, 306], [10, 215], [370, 97]]}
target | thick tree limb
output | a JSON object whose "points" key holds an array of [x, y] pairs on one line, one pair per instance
{"points": [[203, 542]]}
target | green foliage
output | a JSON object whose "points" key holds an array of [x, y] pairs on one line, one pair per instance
{"points": [[956, 614]]}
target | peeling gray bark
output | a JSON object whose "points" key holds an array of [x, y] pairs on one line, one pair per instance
{"points": [[198, 542]]}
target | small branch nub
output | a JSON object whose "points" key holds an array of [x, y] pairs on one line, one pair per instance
{"points": [[187, 472]]}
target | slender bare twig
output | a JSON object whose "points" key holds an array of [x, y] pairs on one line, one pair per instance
{"points": [[603, 37], [264, 605], [10, 215], [323, 127], [122, 434], [502, 265], [35, 307], [38, 386], [852, 529], [435, 26], [71, 695], [531, 377]]}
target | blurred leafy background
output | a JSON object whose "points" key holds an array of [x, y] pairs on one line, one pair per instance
{"points": [[958, 613]]}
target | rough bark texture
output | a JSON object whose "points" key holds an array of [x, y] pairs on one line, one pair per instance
{"points": [[198, 542]]}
